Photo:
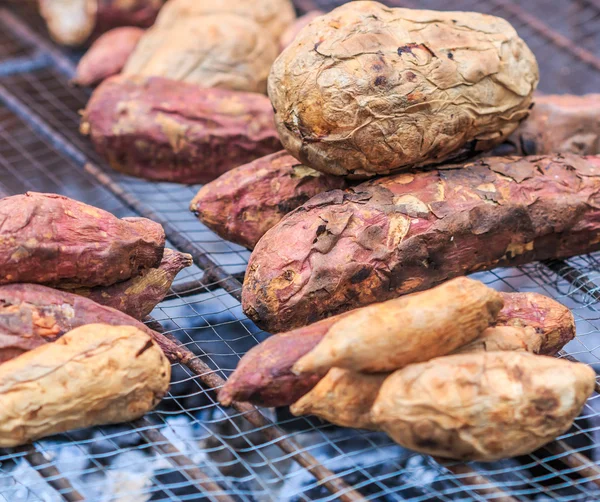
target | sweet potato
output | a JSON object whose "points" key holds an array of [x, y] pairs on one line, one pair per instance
{"points": [[171, 131], [74, 22], [96, 374], [139, 295], [343, 398], [242, 204], [387, 336], [367, 90], [505, 339], [107, 55], [264, 375], [51, 239], [482, 406], [292, 31], [558, 123], [409, 232], [221, 50]]}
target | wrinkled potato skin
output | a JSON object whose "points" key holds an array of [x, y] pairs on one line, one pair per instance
{"points": [[291, 33], [409, 232], [274, 15], [242, 204], [505, 339], [121, 374], [390, 335], [343, 398], [53, 240], [484, 406], [139, 295], [162, 130], [221, 51], [107, 55], [368, 90]]}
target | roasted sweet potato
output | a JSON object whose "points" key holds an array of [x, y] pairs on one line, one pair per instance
{"points": [[163, 130], [409, 232], [74, 22], [221, 50], [242, 204], [51, 239], [96, 374], [482, 406], [505, 339], [139, 295], [343, 398], [292, 31], [367, 90], [390, 335], [264, 375], [107, 55]]}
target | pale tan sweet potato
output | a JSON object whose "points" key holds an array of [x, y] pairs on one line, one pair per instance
{"points": [[367, 90], [242, 204], [163, 130], [53, 240], [107, 55], [482, 406], [408, 232], [96, 374], [139, 295], [292, 31], [506, 339], [387, 336]]}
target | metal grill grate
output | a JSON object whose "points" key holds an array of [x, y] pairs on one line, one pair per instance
{"points": [[193, 449]]}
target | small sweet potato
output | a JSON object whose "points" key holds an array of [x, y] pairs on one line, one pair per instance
{"points": [[242, 204], [408, 232], [482, 406], [292, 31], [94, 375], [107, 55], [163, 130], [505, 339], [387, 336], [51, 239], [139, 295]]}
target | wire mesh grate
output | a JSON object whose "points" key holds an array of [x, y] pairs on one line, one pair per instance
{"points": [[41, 149]]}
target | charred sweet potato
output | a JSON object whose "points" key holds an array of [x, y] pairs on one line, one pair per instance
{"points": [[242, 204], [96, 374], [51, 239], [221, 50], [107, 55], [390, 335], [367, 90], [163, 130], [292, 31], [409, 232], [264, 375], [482, 406], [139, 295]]}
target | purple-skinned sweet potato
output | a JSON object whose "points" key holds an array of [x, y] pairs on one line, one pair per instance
{"points": [[53, 240], [139, 295], [107, 55], [163, 130], [264, 375], [409, 232], [242, 204]]}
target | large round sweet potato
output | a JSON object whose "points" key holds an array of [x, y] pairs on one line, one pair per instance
{"points": [[368, 90]]}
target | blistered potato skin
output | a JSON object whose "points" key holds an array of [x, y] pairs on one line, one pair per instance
{"points": [[484, 406], [163, 130], [242, 204], [121, 374], [409, 232], [53, 240], [368, 90]]}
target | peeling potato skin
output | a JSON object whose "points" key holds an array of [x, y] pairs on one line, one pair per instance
{"points": [[121, 375], [408, 232], [264, 375], [242, 204], [53, 240], [139, 295], [107, 55], [292, 31], [483, 406], [163, 130], [368, 90]]}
